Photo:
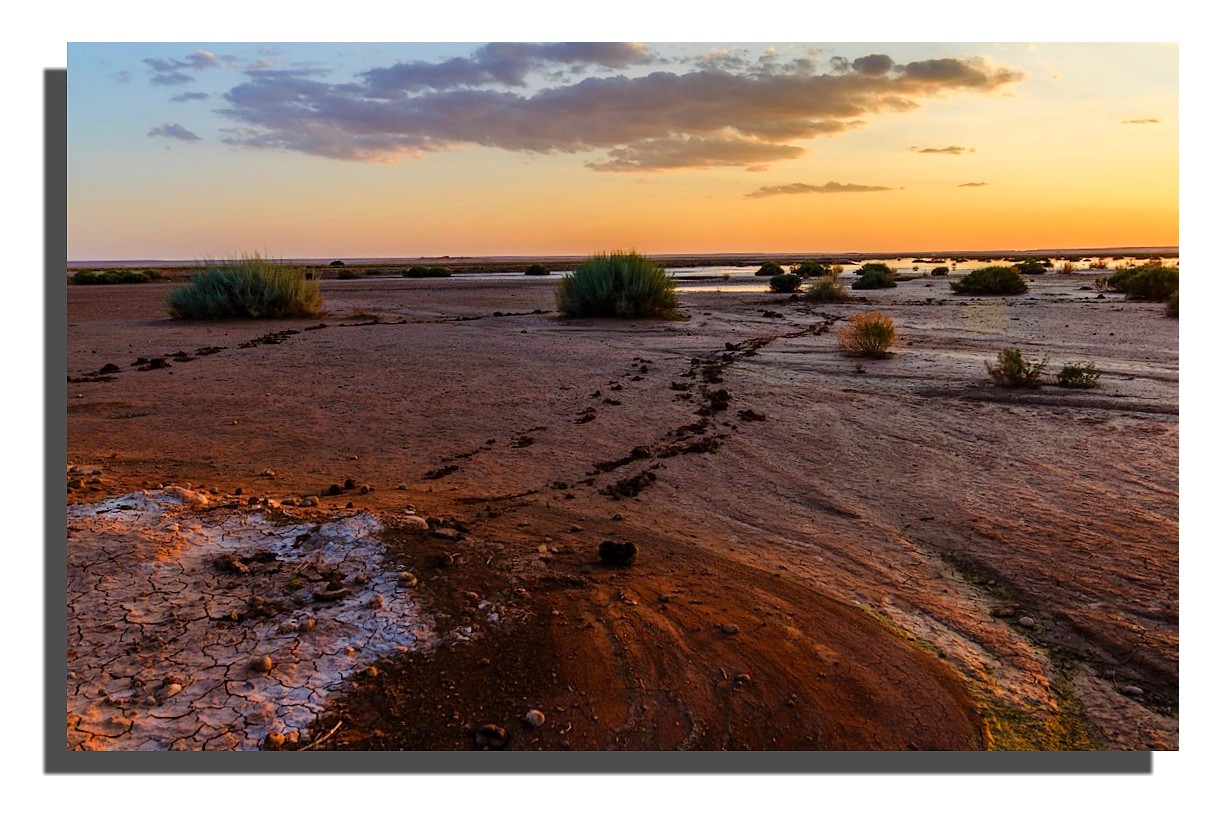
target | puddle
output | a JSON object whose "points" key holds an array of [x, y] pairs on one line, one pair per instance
{"points": [[173, 605]]}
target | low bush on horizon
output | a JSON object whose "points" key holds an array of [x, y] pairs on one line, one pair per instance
{"points": [[875, 277], [1067, 267], [537, 270], [618, 285], [1031, 267], [246, 287], [994, 280], [115, 276], [769, 269], [1078, 376], [347, 274], [420, 271], [784, 283], [940, 271], [812, 269], [868, 333], [1012, 370], [1172, 305], [827, 290], [1149, 282]]}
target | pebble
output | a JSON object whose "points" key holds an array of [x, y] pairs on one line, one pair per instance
{"points": [[372, 671], [729, 629], [312, 500], [1026, 622], [171, 690], [401, 487], [274, 741], [308, 625], [268, 473], [262, 664], [409, 579], [491, 736], [365, 489], [1131, 690], [741, 679], [617, 517], [535, 718], [377, 602], [349, 484]]}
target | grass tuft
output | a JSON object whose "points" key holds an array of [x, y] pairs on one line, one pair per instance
{"points": [[1013, 371], [246, 287], [784, 283], [868, 333], [618, 285], [1078, 376]]}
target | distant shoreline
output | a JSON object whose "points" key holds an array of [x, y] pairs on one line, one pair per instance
{"points": [[675, 259]]}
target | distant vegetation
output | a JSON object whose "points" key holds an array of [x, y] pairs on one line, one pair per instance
{"points": [[875, 276], [1031, 267], [812, 269], [246, 287], [995, 280], [420, 271], [1012, 370], [537, 270], [940, 271], [769, 269], [828, 288], [868, 333], [784, 283], [115, 276], [618, 285], [1172, 305]]}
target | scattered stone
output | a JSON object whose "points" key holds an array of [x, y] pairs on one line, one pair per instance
{"points": [[751, 415], [237, 491], [108, 369], [330, 595], [729, 629], [575, 529], [1131, 690], [274, 741], [334, 490], [288, 501], [1026, 622], [617, 517], [491, 737], [78, 483], [666, 598], [535, 718], [170, 690], [349, 484], [446, 534], [1004, 612], [618, 553], [408, 579], [262, 664], [365, 489], [377, 602], [718, 401], [371, 671], [268, 473], [741, 679], [308, 625], [401, 487], [310, 501], [230, 564]]}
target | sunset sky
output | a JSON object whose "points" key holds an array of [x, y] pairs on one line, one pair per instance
{"points": [[186, 150]]}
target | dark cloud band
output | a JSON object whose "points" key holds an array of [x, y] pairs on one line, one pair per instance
{"points": [[829, 187]]}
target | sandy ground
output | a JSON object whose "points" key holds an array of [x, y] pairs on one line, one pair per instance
{"points": [[845, 554]]}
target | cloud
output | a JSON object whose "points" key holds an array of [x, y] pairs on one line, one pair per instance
{"points": [[800, 187], [1141, 121], [974, 184], [725, 112], [174, 131], [952, 150], [499, 64], [122, 76], [187, 97], [172, 78], [170, 72]]}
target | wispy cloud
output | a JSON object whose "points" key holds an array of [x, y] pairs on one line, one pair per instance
{"points": [[952, 150], [1141, 121], [173, 131], [800, 187], [974, 184], [189, 96], [122, 76], [727, 111], [171, 72], [171, 78]]}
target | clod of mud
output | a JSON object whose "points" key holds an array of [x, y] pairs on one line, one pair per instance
{"points": [[617, 553]]}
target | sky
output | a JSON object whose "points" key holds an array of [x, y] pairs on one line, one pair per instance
{"points": [[188, 150]]}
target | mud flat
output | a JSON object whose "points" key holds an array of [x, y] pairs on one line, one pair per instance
{"points": [[831, 553]]}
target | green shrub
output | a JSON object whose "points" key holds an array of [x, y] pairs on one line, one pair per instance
{"points": [[769, 269], [618, 285], [876, 266], [872, 278], [784, 283], [868, 333], [1172, 305], [940, 271], [996, 280], [112, 277], [826, 290], [1150, 282], [537, 270], [337, 263], [347, 274], [246, 287], [1031, 267], [1078, 376], [1012, 370], [812, 269]]}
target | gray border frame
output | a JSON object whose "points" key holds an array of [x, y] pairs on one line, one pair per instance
{"points": [[58, 759]]}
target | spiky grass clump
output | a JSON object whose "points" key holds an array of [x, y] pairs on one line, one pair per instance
{"points": [[868, 333], [1172, 305], [784, 283], [618, 285], [1078, 376], [246, 287], [996, 280], [1012, 370], [827, 290]]}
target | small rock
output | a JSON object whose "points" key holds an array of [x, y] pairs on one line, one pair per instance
{"points": [[575, 529], [274, 741], [409, 579], [1026, 622], [307, 625], [349, 484], [401, 487], [1131, 690], [371, 671], [617, 517], [334, 489], [613, 552], [741, 679], [1004, 612], [365, 489], [377, 602], [665, 598], [268, 473], [535, 718], [491, 736], [729, 629], [309, 501], [262, 664]]}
